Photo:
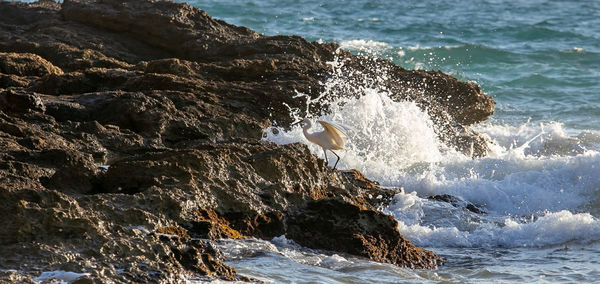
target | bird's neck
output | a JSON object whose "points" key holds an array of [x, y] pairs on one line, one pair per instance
{"points": [[306, 133], [305, 130]]}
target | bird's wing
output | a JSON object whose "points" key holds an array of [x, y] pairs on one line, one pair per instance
{"points": [[335, 131], [333, 128]]}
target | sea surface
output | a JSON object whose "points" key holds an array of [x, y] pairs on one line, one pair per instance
{"points": [[540, 185]]}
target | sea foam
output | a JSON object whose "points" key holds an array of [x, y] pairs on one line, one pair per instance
{"points": [[366, 47], [61, 275], [540, 184], [554, 228], [375, 117]]}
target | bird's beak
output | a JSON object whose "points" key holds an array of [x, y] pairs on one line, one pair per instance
{"points": [[297, 122]]}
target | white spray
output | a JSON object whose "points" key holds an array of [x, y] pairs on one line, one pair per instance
{"points": [[534, 170]]}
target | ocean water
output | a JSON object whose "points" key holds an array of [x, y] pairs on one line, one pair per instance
{"points": [[540, 185]]}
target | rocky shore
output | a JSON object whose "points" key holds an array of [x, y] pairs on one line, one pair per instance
{"points": [[130, 138]]}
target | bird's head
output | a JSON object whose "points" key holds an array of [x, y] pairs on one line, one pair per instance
{"points": [[303, 123]]}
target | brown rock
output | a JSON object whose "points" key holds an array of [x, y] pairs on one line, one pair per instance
{"points": [[26, 64], [20, 102], [338, 226], [212, 226], [13, 81], [174, 230], [266, 226], [201, 258]]}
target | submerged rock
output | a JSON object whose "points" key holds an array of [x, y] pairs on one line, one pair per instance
{"points": [[456, 202], [130, 137]]}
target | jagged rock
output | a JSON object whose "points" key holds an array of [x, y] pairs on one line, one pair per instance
{"points": [[203, 259], [338, 226], [174, 231], [369, 193], [13, 276], [26, 64], [13, 81], [128, 128], [212, 226], [267, 226], [20, 102]]}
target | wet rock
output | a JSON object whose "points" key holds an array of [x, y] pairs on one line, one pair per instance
{"points": [[338, 226], [457, 202], [212, 226], [200, 257], [174, 231], [453, 105], [368, 193], [265, 226], [463, 102]]}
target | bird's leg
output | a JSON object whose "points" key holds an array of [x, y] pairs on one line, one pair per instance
{"points": [[338, 159], [325, 152]]}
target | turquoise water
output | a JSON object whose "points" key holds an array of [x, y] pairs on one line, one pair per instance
{"points": [[540, 61]]}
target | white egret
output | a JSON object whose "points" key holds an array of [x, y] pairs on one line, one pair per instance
{"points": [[331, 138]]}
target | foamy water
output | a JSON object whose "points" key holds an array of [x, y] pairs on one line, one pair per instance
{"points": [[59, 276], [539, 185], [375, 117]]}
